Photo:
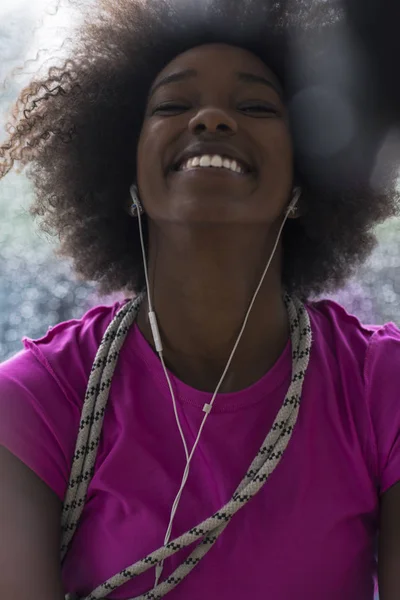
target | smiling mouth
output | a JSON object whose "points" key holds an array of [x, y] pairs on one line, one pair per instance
{"points": [[212, 165]]}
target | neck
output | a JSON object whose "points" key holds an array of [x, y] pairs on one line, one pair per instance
{"points": [[201, 290]]}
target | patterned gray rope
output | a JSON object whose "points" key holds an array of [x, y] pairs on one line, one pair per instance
{"points": [[92, 418], [259, 471]]}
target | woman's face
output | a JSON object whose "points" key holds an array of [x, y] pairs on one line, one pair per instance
{"points": [[220, 103]]}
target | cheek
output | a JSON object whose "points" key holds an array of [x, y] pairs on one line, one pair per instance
{"points": [[149, 159], [278, 154], [144, 147], [151, 162]]}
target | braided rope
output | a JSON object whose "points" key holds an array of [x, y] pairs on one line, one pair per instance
{"points": [[209, 530]]}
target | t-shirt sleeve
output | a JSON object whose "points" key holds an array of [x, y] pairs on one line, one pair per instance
{"points": [[383, 397], [42, 390], [38, 421]]}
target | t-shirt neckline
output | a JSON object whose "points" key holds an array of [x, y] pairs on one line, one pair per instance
{"points": [[225, 402]]}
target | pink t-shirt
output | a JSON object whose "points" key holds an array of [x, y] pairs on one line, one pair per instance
{"points": [[311, 531]]}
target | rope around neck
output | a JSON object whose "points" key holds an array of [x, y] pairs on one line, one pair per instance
{"points": [[207, 532]]}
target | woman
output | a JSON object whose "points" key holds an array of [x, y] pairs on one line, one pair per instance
{"points": [[252, 449]]}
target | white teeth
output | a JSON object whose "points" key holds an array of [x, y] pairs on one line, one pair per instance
{"points": [[205, 161], [215, 161]]}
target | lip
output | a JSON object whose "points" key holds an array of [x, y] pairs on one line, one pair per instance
{"points": [[208, 172], [211, 149]]}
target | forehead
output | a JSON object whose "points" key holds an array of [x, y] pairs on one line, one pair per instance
{"points": [[219, 56]]}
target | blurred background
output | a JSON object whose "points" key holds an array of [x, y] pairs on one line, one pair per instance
{"points": [[36, 289]]}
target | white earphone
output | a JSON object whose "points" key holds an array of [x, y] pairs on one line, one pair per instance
{"points": [[159, 348], [294, 201]]}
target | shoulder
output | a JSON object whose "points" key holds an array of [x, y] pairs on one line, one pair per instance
{"points": [[329, 315], [68, 349], [335, 327], [371, 350], [76, 339]]}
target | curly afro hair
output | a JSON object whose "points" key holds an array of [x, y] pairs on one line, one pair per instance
{"points": [[78, 127]]}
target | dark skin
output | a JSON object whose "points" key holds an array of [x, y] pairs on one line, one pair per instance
{"points": [[211, 232], [389, 545], [210, 238]]}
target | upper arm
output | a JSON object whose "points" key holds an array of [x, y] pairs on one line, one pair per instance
{"points": [[389, 545], [30, 518], [382, 378]]}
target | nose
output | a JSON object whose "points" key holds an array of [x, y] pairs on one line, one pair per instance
{"points": [[213, 120]]}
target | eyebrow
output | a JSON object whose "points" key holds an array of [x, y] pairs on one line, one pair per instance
{"points": [[251, 78], [173, 78], [241, 76]]}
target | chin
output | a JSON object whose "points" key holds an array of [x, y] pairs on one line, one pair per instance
{"points": [[209, 208]]}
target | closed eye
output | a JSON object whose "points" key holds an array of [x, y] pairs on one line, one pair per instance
{"points": [[170, 108], [260, 109]]}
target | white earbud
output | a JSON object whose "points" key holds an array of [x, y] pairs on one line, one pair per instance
{"points": [[294, 201]]}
